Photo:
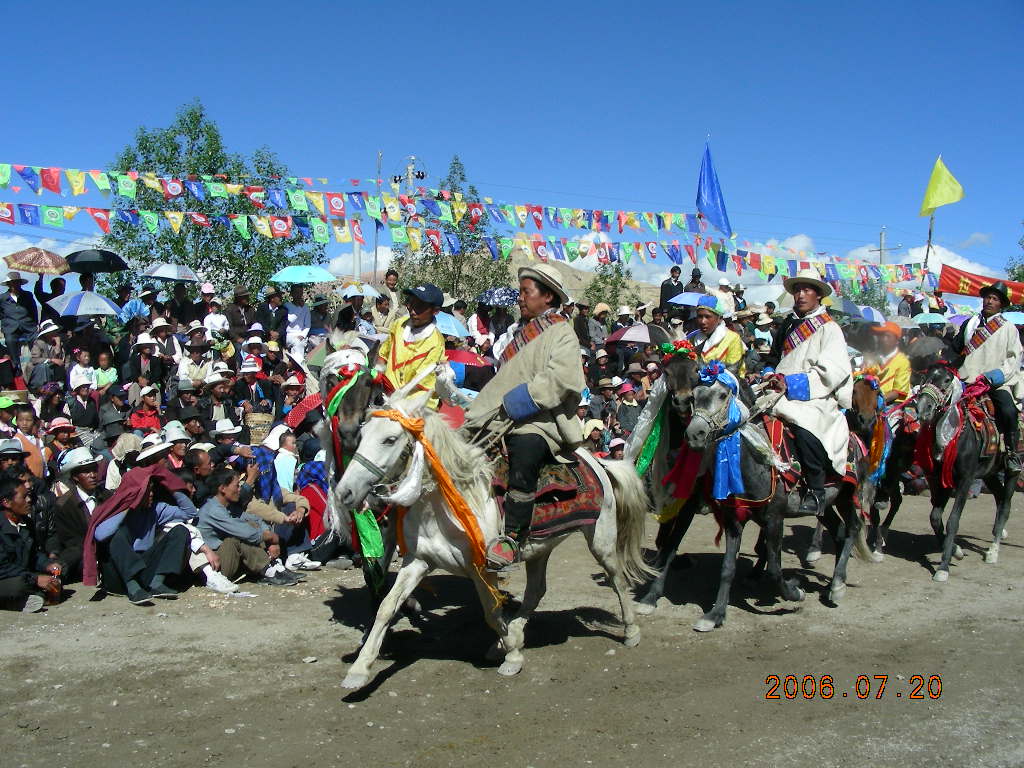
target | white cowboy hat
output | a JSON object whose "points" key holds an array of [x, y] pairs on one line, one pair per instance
{"points": [[14, 277], [77, 458], [48, 326], [213, 378], [273, 438], [763, 319], [80, 380], [249, 366], [174, 432], [148, 391], [152, 446], [144, 340], [546, 275], [807, 276], [292, 381], [623, 310], [226, 427], [160, 322]]}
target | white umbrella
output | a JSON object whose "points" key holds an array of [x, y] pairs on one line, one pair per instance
{"points": [[83, 304], [177, 273]]}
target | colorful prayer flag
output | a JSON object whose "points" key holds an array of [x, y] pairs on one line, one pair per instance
{"points": [[942, 189], [174, 218], [102, 218]]}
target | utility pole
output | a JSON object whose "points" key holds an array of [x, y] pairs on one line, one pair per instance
{"points": [[882, 249], [376, 229]]}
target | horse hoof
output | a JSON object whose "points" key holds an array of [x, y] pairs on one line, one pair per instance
{"points": [[837, 592], [800, 595], [704, 625], [510, 668], [632, 639], [813, 556], [877, 556], [645, 609], [355, 680], [991, 557], [958, 552], [941, 576], [1005, 534]]}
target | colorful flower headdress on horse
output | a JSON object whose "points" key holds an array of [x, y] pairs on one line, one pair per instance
{"points": [[680, 348], [870, 375]]}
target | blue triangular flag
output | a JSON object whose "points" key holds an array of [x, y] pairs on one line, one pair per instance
{"points": [[709, 195], [29, 213], [357, 201], [453, 242], [131, 217], [275, 196], [492, 246], [197, 188]]}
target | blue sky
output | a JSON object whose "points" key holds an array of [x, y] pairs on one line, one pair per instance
{"points": [[825, 118]]}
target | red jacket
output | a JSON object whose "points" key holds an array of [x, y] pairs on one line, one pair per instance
{"points": [[146, 421]]}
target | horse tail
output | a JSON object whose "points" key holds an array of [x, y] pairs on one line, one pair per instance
{"points": [[861, 550], [631, 507]]}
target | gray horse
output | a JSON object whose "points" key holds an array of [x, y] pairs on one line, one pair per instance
{"points": [[933, 403], [762, 482]]}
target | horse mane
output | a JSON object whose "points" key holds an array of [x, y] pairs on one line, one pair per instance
{"points": [[467, 464]]}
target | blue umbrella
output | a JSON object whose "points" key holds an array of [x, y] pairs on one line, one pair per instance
{"points": [[83, 304], [449, 325], [872, 315], [1017, 318], [691, 299], [302, 273], [498, 297], [927, 318], [177, 273]]}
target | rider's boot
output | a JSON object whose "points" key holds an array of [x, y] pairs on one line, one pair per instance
{"points": [[507, 550], [1013, 466], [813, 502]]}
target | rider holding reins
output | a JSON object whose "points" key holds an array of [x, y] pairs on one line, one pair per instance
{"points": [[532, 399], [810, 366], [991, 349]]}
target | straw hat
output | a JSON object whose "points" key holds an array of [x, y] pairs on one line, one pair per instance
{"points": [[143, 340], [763, 319], [152, 447], [601, 307], [546, 275], [14, 277], [591, 425], [808, 276]]}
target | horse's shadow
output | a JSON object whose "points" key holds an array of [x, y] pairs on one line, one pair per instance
{"points": [[451, 627]]}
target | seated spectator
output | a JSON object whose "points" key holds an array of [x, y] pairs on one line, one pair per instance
{"points": [[250, 393], [26, 571], [105, 374], [124, 451], [289, 394], [629, 409], [244, 544], [31, 441], [145, 419], [196, 365], [75, 508], [193, 425], [179, 439], [144, 368], [50, 403], [62, 438], [82, 370], [215, 321], [48, 362], [616, 448], [185, 397], [154, 451], [82, 409]]}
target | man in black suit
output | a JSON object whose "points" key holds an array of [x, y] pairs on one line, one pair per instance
{"points": [[272, 315], [19, 317], [74, 508]]}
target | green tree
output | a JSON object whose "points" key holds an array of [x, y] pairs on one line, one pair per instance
{"points": [[611, 284], [872, 295], [466, 274], [192, 146]]}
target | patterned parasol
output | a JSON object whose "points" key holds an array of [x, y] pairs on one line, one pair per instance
{"points": [[39, 261], [499, 297]]}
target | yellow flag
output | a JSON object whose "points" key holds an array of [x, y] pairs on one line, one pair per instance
{"points": [[341, 233], [76, 179], [317, 199], [70, 211], [151, 181], [175, 218], [415, 237], [942, 189], [458, 209], [233, 189], [262, 225]]}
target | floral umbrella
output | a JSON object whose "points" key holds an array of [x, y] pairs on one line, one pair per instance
{"points": [[38, 261]]}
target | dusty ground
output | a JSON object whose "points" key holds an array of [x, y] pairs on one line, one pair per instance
{"points": [[212, 680]]}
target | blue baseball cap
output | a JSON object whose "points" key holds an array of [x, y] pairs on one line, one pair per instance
{"points": [[428, 293]]}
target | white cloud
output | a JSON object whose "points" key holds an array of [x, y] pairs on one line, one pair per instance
{"points": [[976, 238], [12, 243], [343, 265]]}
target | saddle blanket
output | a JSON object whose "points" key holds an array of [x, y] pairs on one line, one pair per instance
{"points": [[568, 497], [781, 439]]}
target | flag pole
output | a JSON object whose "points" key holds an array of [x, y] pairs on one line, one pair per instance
{"points": [[928, 248]]}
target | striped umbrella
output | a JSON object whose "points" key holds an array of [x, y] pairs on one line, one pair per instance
{"points": [[39, 261], [83, 304], [177, 273]]}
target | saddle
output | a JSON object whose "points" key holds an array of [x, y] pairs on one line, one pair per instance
{"points": [[568, 497], [780, 437], [981, 412]]}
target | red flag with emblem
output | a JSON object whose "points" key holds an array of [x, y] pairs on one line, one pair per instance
{"points": [[357, 231], [101, 216], [540, 249], [476, 212], [172, 188], [652, 248], [408, 206], [335, 203], [281, 226], [50, 178], [7, 213], [255, 195], [199, 219], [434, 237], [691, 253], [536, 215]]}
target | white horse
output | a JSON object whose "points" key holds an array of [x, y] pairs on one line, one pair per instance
{"points": [[434, 539]]}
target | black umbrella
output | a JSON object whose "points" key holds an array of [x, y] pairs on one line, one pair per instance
{"points": [[93, 260]]}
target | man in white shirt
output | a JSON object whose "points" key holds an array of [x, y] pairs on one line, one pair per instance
{"points": [[298, 323]]}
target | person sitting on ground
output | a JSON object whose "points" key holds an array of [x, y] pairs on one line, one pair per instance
{"points": [[74, 509], [125, 451], [62, 438], [289, 394], [185, 397], [145, 419], [250, 393], [31, 442], [144, 368], [244, 544], [216, 322], [616, 448], [83, 411], [26, 571], [628, 412], [105, 374]]}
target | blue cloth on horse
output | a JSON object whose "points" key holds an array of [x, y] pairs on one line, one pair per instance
{"points": [[312, 473], [728, 480]]}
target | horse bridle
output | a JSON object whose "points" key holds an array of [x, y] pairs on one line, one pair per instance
{"points": [[933, 392], [716, 421], [385, 483]]}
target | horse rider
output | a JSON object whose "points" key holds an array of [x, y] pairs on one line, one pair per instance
{"points": [[414, 341], [894, 366], [809, 364], [991, 348], [714, 340], [532, 399]]}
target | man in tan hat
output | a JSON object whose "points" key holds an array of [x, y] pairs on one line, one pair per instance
{"points": [[19, 316], [240, 314], [532, 400], [810, 366]]}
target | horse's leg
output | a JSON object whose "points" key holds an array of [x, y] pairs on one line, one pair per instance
{"points": [[846, 534], [814, 550], [949, 545], [670, 534], [511, 641], [409, 576], [716, 616], [940, 497], [773, 530], [1003, 493], [604, 551], [882, 531]]}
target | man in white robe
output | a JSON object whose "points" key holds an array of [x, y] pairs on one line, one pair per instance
{"points": [[991, 348], [809, 364]]}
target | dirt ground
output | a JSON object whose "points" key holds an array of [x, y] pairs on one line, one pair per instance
{"points": [[215, 680]]}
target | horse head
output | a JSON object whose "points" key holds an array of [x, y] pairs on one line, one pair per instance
{"points": [[383, 450], [935, 392], [715, 411], [680, 371], [867, 403], [347, 365]]}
